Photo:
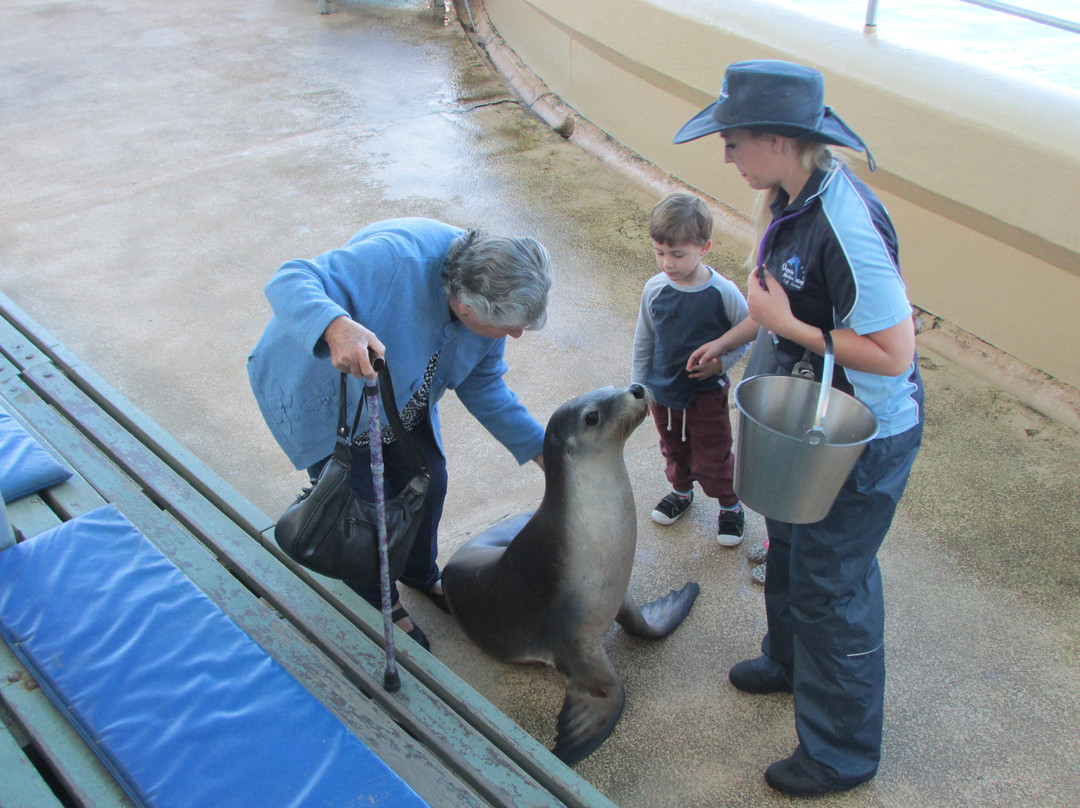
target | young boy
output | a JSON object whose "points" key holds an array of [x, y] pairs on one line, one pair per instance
{"points": [[683, 306]]}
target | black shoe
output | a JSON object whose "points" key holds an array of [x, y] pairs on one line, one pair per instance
{"points": [[760, 675], [729, 527], [415, 633], [789, 777], [670, 508]]}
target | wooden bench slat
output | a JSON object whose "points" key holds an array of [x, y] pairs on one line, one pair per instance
{"points": [[30, 516], [72, 497], [80, 770], [21, 786], [18, 347], [18, 329], [33, 514]]}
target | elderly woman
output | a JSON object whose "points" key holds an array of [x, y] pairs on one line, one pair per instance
{"points": [[438, 302], [826, 264]]}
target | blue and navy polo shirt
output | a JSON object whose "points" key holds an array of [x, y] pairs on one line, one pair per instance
{"points": [[834, 250]]}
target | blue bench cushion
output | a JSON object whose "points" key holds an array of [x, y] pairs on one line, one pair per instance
{"points": [[25, 467], [179, 703]]}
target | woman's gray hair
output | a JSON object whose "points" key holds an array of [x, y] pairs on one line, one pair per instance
{"points": [[504, 280]]}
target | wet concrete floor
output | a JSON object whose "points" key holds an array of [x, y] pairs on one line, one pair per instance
{"points": [[159, 161]]}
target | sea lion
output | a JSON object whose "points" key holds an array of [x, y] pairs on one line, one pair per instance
{"points": [[545, 586]]}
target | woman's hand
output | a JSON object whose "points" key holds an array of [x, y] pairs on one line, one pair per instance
{"points": [[886, 353], [352, 346], [769, 307]]}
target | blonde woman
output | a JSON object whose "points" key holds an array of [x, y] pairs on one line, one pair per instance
{"points": [[825, 267]]}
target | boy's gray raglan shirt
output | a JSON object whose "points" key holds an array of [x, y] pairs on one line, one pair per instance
{"points": [[673, 322]]}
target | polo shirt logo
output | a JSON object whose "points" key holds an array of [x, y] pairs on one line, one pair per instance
{"points": [[793, 274]]}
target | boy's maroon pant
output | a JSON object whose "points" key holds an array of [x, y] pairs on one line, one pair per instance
{"points": [[705, 455]]}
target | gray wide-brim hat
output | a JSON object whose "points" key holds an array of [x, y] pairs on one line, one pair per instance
{"points": [[769, 95]]}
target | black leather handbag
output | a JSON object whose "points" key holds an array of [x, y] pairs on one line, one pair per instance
{"points": [[330, 530]]}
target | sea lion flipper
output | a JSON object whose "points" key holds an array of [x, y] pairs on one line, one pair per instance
{"points": [[593, 704], [659, 617]]}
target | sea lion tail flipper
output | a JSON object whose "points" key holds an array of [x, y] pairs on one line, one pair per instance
{"points": [[659, 617], [594, 702]]}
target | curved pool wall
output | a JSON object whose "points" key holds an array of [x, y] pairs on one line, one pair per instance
{"points": [[979, 171]]}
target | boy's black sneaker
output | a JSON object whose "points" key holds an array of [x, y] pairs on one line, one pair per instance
{"points": [[670, 508], [730, 527]]}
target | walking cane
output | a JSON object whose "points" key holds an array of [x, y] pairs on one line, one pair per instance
{"points": [[391, 679]]}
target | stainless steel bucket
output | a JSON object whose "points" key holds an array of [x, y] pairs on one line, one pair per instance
{"points": [[785, 468]]}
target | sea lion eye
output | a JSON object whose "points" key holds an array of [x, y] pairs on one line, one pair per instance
{"points": [[592, 418]]}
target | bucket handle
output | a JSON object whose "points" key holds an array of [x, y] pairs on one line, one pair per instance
{"points": [[815, 435]]}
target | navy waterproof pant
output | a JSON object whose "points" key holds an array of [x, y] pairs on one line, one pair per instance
{"points": [[826, 615]]}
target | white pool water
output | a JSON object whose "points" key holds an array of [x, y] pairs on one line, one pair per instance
{"points": [[989, 39]]}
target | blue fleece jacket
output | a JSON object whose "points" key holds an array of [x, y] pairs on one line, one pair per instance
{"points": [[389, 278]]}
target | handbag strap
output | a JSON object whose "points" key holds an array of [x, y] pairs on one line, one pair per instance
{"points": [[386, 391]]}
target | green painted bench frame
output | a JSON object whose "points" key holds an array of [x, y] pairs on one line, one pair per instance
{"points": [[438, 734]]}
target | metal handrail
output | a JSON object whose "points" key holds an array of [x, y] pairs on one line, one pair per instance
{"points": [[994, 5], [871, 13]]}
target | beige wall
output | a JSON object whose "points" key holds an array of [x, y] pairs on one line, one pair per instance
{"points": [[979, 172]]}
